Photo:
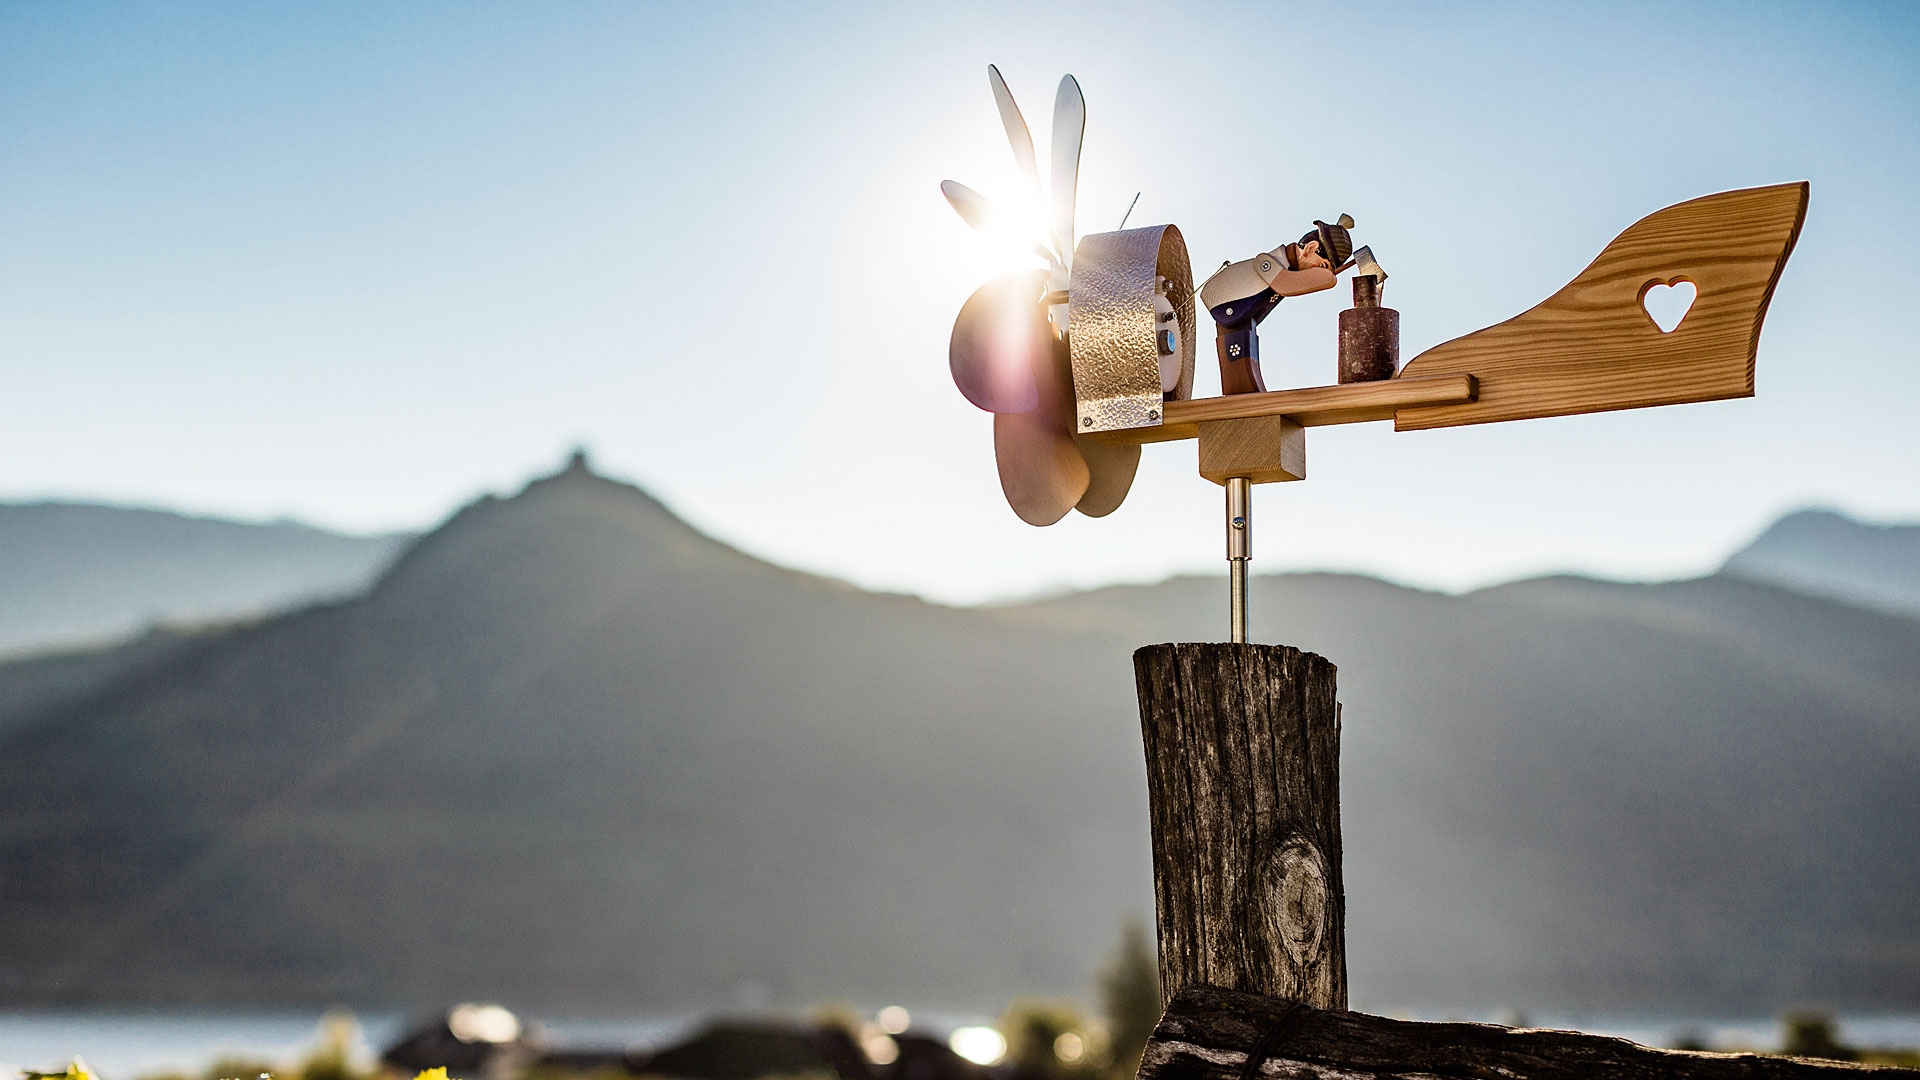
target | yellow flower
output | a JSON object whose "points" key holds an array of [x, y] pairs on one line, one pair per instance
{"points": [[75, 1071]]}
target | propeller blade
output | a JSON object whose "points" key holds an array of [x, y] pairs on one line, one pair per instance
{"points": [[1069, 128], [975, 210], [1110, 472], [1000, 339], [1022, 142], [1017, 134], [1042, 471], [973, 207]]}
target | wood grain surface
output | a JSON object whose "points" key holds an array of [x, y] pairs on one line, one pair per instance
{"points": [[1243, 792], [1313, 406], [1110, 469], [1210, 1034], [1264, 449], [1592, 346]]}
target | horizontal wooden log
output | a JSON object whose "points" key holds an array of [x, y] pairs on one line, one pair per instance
{"points": [[1213, 1034]]}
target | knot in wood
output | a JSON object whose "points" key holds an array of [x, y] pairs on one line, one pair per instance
{"points": [[1298, 901]]}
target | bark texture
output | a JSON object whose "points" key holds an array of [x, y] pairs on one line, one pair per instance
{"points": [[1211, 1034], [1243, 785]]}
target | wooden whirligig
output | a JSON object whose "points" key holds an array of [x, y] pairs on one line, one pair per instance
{"points": [[1085, 360]]}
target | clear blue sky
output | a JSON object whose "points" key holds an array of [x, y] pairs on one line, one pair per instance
{"points": [[359, 263]]}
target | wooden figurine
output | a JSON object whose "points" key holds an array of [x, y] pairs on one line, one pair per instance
{"points": [[1242, 294]]}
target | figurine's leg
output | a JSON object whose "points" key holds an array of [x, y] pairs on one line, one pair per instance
{"points": [[1236, 323], [1240, 360]]}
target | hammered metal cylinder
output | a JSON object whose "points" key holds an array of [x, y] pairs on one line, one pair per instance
{"points": [[1369, 342], [1112, 325]]}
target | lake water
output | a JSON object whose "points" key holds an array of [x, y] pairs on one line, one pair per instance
{"points": [[130, 1045]]}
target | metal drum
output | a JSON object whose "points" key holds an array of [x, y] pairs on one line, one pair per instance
{"points": [[1130, 325]]}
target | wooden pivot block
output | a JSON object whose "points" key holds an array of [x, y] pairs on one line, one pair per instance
{"points": [[1264, 449]]}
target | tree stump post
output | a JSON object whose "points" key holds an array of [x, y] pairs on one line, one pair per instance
{"points": [[1243, 788]]}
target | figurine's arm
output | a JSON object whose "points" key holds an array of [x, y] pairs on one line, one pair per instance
{"points": [[1305, 270], [1289, 270], [1243, 293]]}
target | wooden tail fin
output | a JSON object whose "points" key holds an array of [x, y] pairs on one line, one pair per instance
{"points": [[1592, 346]]}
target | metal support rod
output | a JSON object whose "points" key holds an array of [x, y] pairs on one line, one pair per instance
{"points": [[1239, 550]]}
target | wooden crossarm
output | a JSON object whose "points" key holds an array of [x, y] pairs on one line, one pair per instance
{"points": [[1590, 347], [1314, 406]]}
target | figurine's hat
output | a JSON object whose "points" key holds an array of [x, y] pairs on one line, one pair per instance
{"points": [[1336, 243]]}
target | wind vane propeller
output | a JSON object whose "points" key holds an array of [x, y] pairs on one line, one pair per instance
{"points": [[1009, 351], [1085, 358]]}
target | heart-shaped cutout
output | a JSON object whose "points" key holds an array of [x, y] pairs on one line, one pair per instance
{"points": [[1667, 302]]}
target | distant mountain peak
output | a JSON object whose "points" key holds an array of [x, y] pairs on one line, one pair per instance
{"points": [[575, 523], [1827, 553], [577, 478]]}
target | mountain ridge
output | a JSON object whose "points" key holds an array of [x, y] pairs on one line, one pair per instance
{"points": [[1830, 554], [79, 575], [1813, 551], [568, 752]]}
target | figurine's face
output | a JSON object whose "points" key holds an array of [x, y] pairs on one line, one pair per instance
{"points": [[1309, 257]]}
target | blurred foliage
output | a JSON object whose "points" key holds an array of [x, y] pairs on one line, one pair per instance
{"points": [[240, 1069], [1040, 1035], [332, 1055], [1052, 1039], [331, 1058], [1690, 1040], [838, 1015], [1812, 1034], [1130, 997], [562, 1072], [1815, 1034]]}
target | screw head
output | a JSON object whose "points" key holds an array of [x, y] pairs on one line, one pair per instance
{"points": [[1086, 421], [1239, 523], [1153, 414]]}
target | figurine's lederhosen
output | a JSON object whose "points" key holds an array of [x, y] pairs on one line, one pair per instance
{"points": [[1238, 344]]}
